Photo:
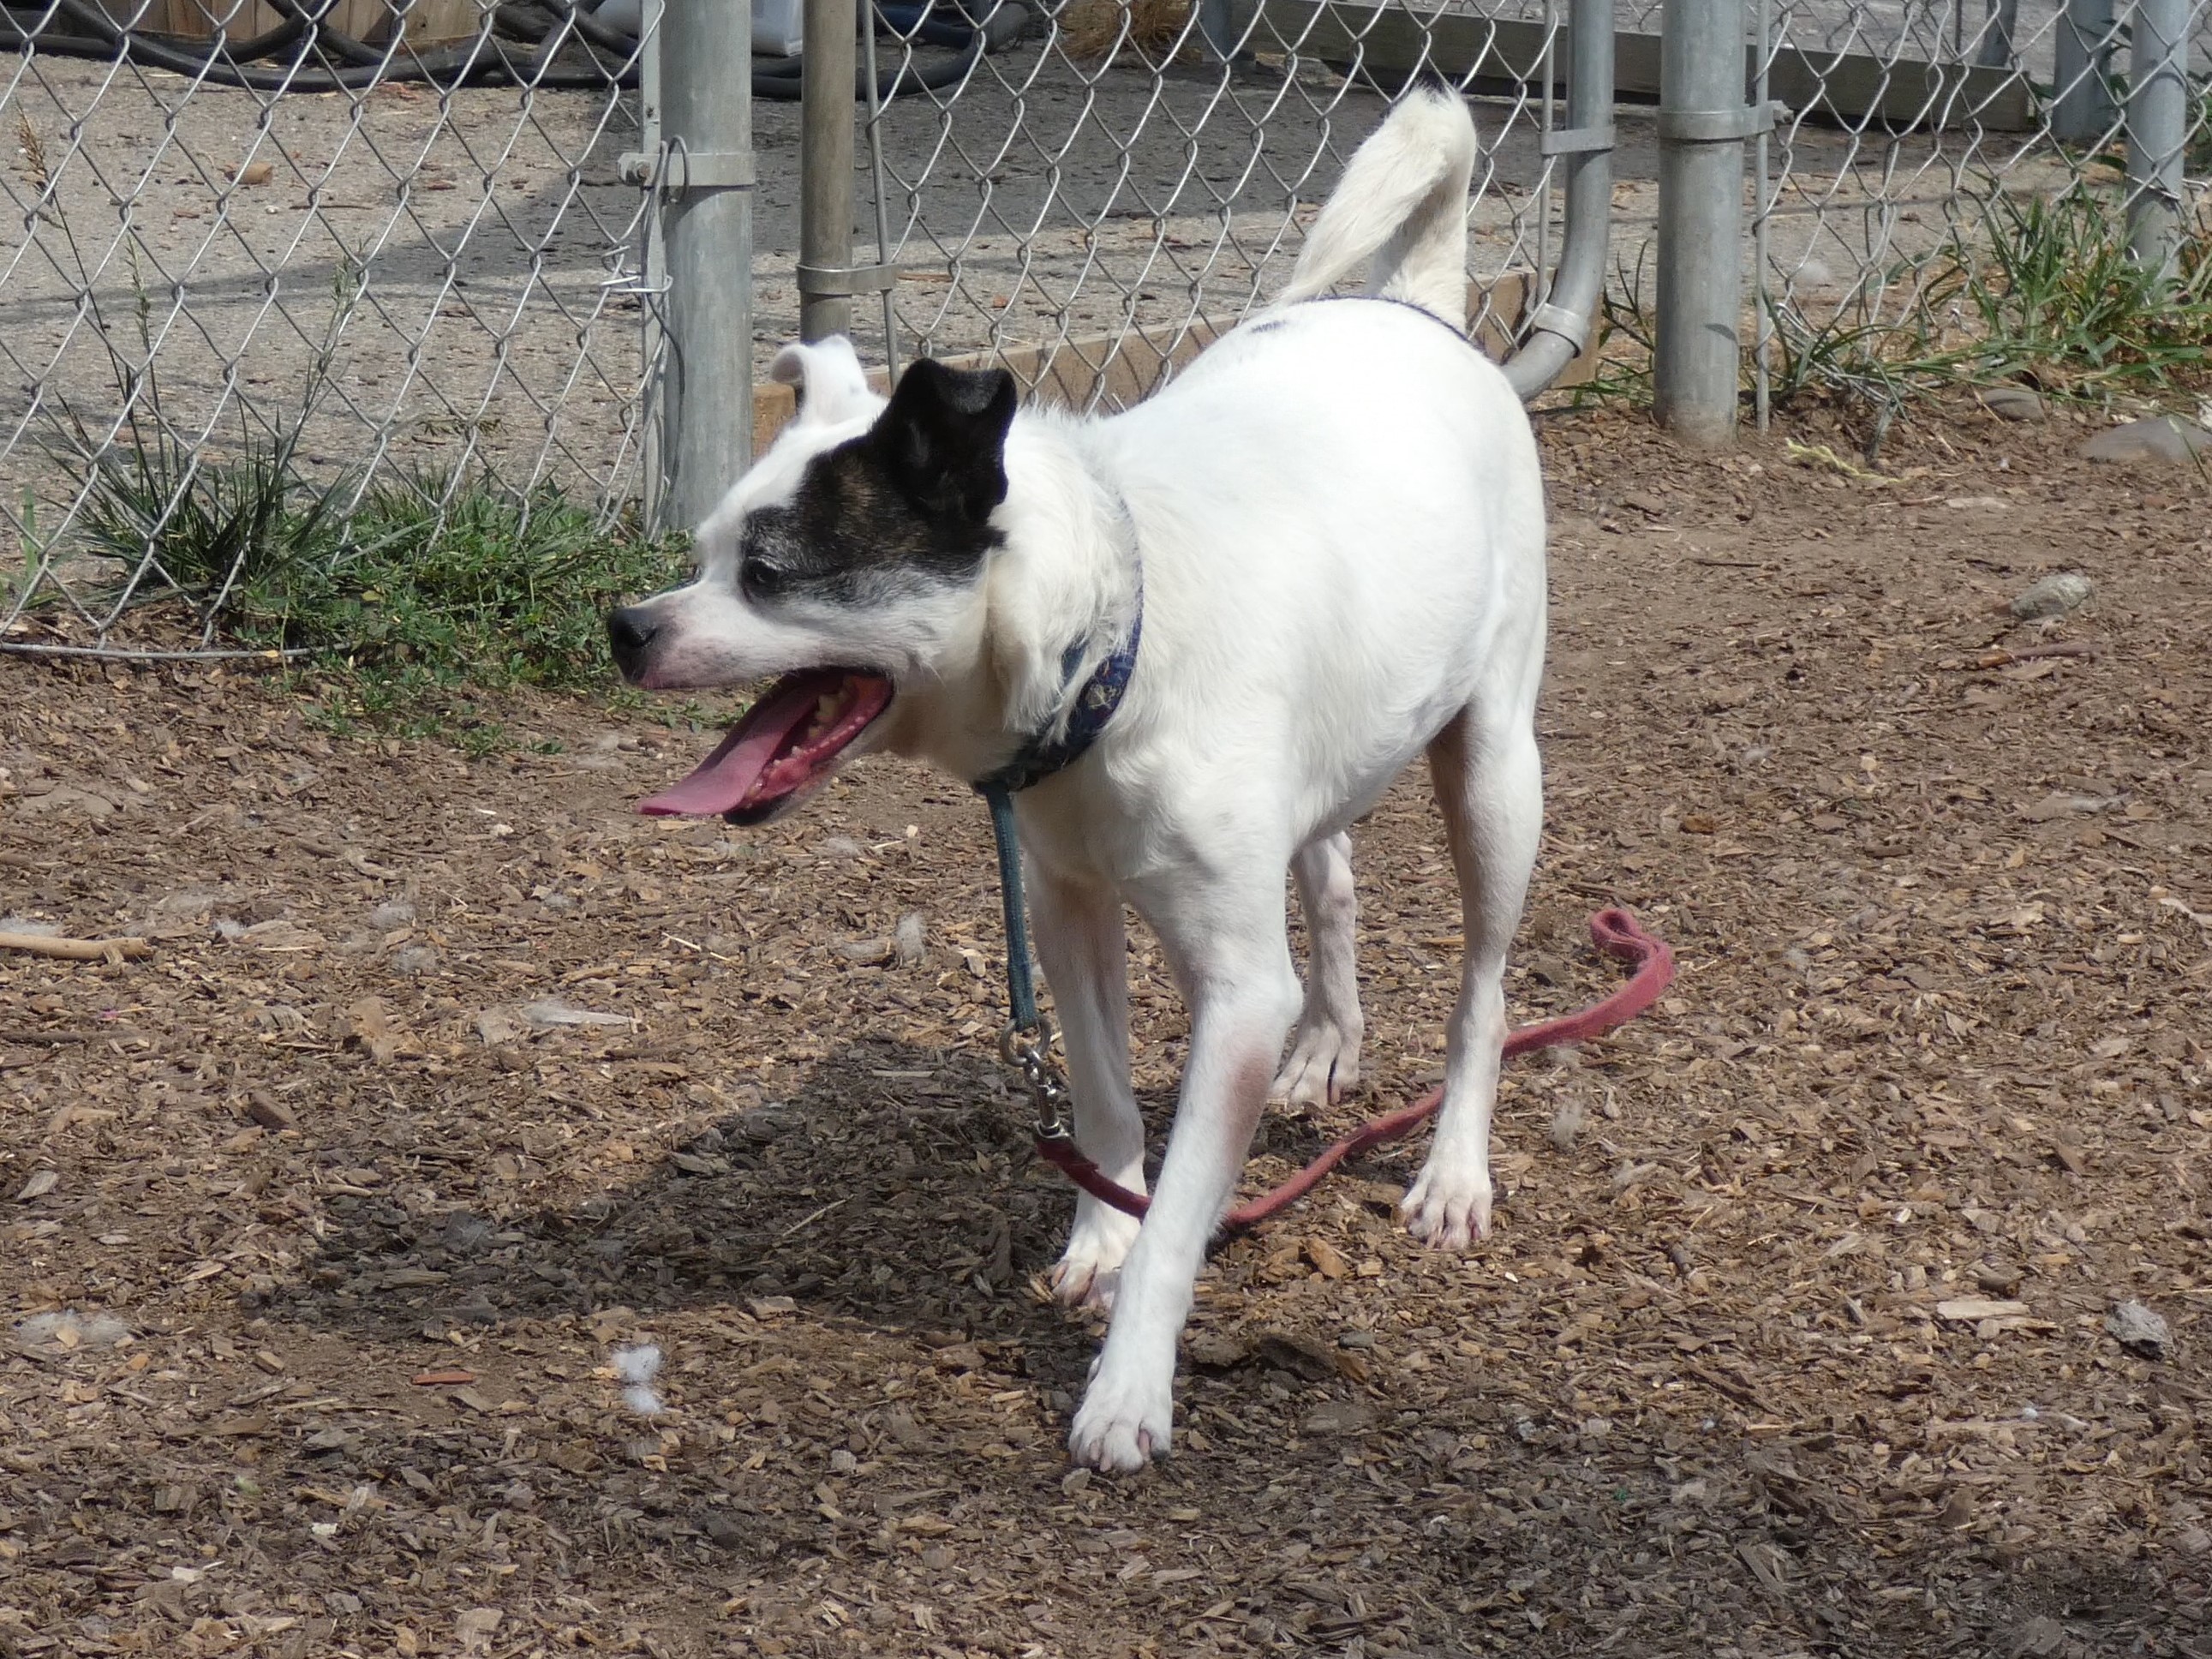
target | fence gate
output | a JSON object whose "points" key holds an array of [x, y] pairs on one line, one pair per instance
{"points": [[361, 246]]}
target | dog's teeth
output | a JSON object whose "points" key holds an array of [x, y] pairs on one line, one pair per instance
{"points": [[826, 710]]}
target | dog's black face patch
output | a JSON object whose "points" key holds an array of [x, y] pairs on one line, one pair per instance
{"points": [[909, 500]]}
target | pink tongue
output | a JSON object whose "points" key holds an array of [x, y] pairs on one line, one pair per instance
{"points": [[722, 780]]}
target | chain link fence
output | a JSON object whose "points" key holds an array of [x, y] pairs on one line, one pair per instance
{"points": [[1132, 175], [1102, 185], [1948, 179], [267, 260]]}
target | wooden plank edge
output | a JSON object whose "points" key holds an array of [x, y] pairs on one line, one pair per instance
{"points": [[1127, 370]]}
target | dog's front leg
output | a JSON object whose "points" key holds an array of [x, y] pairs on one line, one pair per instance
{"points": [[1233, 963], [1082, 942]]}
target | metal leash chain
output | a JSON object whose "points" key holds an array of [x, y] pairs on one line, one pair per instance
{"points": [[1026, 1043]]}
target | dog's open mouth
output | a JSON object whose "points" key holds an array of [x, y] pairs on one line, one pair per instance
{"points": [[784, 748]]}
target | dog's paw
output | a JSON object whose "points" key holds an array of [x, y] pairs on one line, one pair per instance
{"points": [[1448, 1208], [1123, 1425], [1089, 1270], [1323, 1066]]}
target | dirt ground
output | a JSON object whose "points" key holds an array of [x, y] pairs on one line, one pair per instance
{"points": [[320, 1247]]}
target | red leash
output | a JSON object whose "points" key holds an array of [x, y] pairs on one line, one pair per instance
{"points": [[1615, 931]]}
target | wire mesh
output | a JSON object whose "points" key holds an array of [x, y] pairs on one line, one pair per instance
{"points": [[384, 244], [1088, 190], [1122, 178], [1945, 169], [262, 261]]}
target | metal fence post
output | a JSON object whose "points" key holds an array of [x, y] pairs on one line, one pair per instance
{"points": [[2158, 130], [827, 77], [1763, 194], [652, 262], [705, 169], [1221, 28], [1702, 122], [2000, 26], [2083, 111]]}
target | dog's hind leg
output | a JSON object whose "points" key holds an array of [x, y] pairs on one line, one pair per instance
{"points": [[1082, 940], [1324, 1062], [1489, 781], [1231, 956]]}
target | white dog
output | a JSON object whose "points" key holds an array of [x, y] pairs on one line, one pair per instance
{"points": [[1331, 528]]}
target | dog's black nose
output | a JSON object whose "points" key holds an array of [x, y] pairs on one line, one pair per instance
{"points": [[629, 632]]}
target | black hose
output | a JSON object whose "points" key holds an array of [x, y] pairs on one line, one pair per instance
{"points": [[782, 82], [520, 14], [357, 53], [324, 59]]}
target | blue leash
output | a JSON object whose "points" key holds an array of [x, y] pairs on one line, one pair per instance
{"points": [[1026, 1043], [1021, 972]]}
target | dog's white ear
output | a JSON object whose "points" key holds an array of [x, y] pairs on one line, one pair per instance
{"points": [[829, 379]]}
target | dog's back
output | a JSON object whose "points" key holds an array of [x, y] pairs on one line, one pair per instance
{"points": [[1340, 505], [1342, 518]]}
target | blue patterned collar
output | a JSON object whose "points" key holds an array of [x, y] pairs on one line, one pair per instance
{"points": [[1093, 706]]}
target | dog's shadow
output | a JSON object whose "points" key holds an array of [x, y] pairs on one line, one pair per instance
{"points": [[896, 1188]]}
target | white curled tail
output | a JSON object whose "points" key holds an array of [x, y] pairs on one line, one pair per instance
{"points": [[1400, 208]]}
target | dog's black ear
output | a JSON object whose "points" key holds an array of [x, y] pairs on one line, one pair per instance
{"points": [[943, 440]]}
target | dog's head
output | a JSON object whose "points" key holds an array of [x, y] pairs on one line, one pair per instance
{"points": [[847, 561]]}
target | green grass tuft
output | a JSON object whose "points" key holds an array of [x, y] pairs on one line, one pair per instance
{"points": [[497, 589], [2039, 289], [446, 591], [406, 600], [473, 582], [2060, 299]]}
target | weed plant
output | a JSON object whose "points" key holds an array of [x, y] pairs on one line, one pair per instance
{"points": [[2039, 290]]}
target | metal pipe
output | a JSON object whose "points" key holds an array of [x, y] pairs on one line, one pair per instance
{"points": [[2083, 111], [1218, 28], [2158, 131], [706, 170], [660, 386], [825, 166], [1547, 191], [876, 192], [1560, 327], [1764, 191], [1702, 122]]}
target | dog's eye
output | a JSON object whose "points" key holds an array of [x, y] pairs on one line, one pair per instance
{"points": [[760, 579]]}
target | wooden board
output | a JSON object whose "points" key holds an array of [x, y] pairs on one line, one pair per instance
{"points": [[425, 23], [1075, 374], [1388, 44], [1070, 374]]}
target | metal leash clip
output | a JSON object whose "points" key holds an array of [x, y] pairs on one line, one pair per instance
{"points": [[1029, 1052]]}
